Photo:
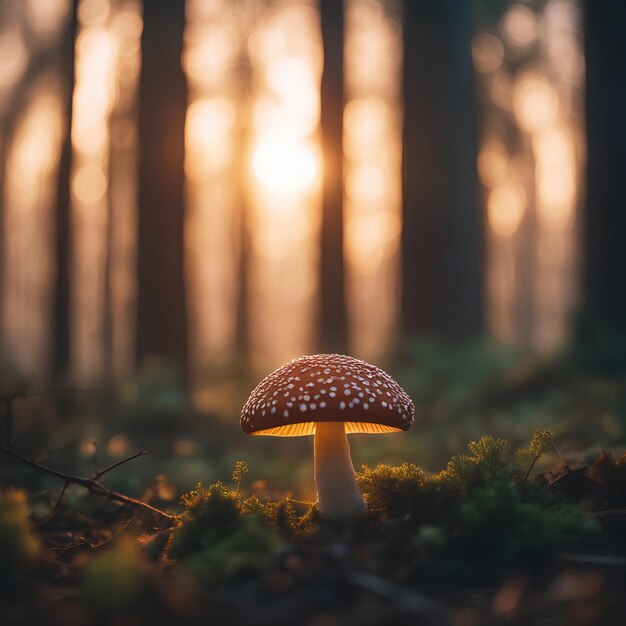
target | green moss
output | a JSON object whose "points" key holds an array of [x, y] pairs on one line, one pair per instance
{"points": [[210, 514], [501, 524], [486, 462], [481, 508], [407, 491], [246, 549], [401, 491], [283, 515], [220, 534], [479, 513]]}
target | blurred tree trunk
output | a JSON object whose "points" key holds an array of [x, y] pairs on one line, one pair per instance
{"points": [[243, 139], [61, 313], [442, 233], [333, 310], [605, 216], [161, 311]]}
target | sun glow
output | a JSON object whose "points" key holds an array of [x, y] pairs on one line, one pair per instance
{"points": [[283, 164], [284, 190]]}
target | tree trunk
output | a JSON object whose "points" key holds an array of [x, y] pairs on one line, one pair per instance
{"points": [[442, 232], [605, 213], [161, 311], [61, 312], [333, 310]]}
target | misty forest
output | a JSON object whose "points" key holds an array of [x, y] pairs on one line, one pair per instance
{"points": [[312, 312]]}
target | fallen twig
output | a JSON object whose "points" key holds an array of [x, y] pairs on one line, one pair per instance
{"points": [[104, 471], [607, 512], [593, 559], [91, 484], [407, 599], [565, 466]]}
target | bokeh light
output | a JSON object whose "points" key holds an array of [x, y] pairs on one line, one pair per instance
{"points": [[487, 52], [530, 162], [493, 163], [520, 25], [284, 165], [535, 102], [505, 207], [373, 174]]}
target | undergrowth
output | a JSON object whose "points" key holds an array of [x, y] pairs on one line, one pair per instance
{"points": [[482, 512]]}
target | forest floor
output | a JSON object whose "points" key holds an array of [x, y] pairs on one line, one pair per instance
{"points": [[526, 524]]}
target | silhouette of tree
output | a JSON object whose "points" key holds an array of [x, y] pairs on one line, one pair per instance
{"points": [[61, 312], [605, 215], [442, 241], [161, 318], [333, 311]]}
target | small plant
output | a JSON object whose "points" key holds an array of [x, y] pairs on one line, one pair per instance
{"points": [[487, 462], [542, 439], [239, 471]]}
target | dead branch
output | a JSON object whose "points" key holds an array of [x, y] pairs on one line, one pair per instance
{"points": [[430, 610], [565, 466], [92, 484], [593, 559], [104, 471]]}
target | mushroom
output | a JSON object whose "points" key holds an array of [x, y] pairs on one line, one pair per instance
{"points": [[329, 396]]}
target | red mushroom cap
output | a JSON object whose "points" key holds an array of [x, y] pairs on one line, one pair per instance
{"points": [[327, 388]]}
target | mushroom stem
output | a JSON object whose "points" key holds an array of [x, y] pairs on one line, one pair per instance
{"points": [[338, 495]]}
